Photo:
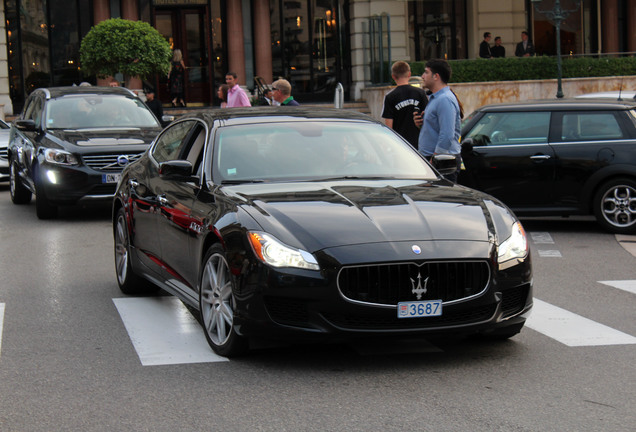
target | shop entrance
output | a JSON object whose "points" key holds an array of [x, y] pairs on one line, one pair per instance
{"points": [[185, 29]]}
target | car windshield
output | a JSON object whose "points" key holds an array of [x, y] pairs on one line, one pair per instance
{"points": [[314, 150], [98, 111]]}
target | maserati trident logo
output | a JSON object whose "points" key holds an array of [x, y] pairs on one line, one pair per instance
{"points": [[122, 160], [419, 289], [416, 249]]}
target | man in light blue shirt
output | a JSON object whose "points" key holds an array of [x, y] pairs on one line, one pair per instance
{"points": [[442, 118]]}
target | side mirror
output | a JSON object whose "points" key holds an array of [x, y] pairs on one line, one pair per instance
{"points": [[467, 144], [445, 164], [179, 170], [166, 119], [25, 125]]}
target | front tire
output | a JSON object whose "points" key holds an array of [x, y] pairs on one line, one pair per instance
{"points": [[129, 282], [19, 194], [217, 305], [615, 206]]}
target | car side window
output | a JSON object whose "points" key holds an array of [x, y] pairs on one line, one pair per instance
{"points": [[34, 111], [590, 126], [511, 128], [171, 142]]}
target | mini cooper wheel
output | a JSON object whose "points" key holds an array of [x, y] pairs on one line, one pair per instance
{"points": [[19, 194], [217, 305], [615, 206], [129, 282]]}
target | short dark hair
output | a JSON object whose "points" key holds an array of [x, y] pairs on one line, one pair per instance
{"points": [[232, 74], [497, 38], [486, 34], [440, 67], [525, 33]]}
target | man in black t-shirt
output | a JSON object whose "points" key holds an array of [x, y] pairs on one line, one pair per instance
{"points": [[400, 103]]}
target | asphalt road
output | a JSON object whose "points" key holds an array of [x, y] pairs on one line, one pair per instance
{"points": [[68, 361]]}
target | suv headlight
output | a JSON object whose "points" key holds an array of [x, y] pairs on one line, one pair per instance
{"points": [[60, 157], [271, 251], [514, 248]]}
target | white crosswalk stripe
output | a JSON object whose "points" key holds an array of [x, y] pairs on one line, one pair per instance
{"points": [[626, 285], [1, 324], [163, 331], [572, 329]]}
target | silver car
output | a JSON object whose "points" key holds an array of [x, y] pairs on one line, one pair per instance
{"points": [[4, 141]]}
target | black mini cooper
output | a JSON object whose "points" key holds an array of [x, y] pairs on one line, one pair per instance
{"points": [[71, 144], [556, 157]]}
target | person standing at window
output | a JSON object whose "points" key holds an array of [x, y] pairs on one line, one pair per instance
{"points": [[484, 46], [176, 79], [525, 47], [401, 102], [498, 51]]}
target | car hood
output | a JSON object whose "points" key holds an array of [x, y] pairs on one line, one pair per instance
{"points": [[105, 137], [316, 216]]}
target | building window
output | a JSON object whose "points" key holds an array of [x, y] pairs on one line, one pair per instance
{"points": [[437, 29]]}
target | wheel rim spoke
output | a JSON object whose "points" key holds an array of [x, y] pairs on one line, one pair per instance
{"points": [[216, 300], [619, 206]]}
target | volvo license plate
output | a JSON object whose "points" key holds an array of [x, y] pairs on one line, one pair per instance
{"points": [[110, 178], [419, 309]]}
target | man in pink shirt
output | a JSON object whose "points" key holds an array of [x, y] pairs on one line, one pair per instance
{"points": [[236, 96]]}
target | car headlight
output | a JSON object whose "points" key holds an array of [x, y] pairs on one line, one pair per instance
{"points": [[271, 251], [60, 157], [513, 248]]}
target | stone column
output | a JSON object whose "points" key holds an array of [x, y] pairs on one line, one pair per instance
{"points": [[129, 11], [235, 46], [610, 26], [101, 12], [631, 25], [6, 106], [262, 40]]}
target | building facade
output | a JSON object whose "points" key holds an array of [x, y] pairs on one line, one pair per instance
{"points": [[315, 44]]}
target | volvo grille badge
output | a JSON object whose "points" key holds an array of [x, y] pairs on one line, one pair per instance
{"points": [[122, 160], [419, 290]]}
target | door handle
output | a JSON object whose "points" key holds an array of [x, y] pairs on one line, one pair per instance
{"points": [[540, 157], [133, 183], [162, 200]]}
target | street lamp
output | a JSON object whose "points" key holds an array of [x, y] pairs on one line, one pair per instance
{"points": [[557, 15]]}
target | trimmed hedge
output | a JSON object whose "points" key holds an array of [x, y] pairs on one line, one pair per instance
{"points": [[534, 68]]}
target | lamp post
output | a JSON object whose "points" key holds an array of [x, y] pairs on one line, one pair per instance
{"points": [[558, 15]]}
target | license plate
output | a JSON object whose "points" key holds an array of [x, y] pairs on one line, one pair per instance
{"points": [[419, 309], [111, 178]]}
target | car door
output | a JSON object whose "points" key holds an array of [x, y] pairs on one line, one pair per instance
{"points": [[26, 141], [176, 227], [146, 188], [586, 142], [507, 155]]}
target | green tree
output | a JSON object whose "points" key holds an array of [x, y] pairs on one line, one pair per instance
{"points": [[133, 48]]}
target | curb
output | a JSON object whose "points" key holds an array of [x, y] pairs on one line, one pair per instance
{"points": [[628, 242]]}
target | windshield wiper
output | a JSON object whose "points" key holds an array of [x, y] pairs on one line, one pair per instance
{"points": [[236, 182]]}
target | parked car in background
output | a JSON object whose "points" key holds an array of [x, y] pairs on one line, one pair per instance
{"points": [[310, 223], [556, 157], [71, 144], [623, 95], [4, 143]]}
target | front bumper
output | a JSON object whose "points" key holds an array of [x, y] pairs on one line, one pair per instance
{"points": [[70, 184]]}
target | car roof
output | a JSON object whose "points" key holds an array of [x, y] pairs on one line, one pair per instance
{"points": [[238, 116], [55, 92], [561, 105]]}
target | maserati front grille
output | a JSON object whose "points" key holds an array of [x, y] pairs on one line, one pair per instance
{"points": [[389, 284]]}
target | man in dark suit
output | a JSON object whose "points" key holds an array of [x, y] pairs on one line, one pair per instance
{"points": [[484, 46], [525, 48]]}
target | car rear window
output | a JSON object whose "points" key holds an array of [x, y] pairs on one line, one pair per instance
{"points": [[586, 126]]}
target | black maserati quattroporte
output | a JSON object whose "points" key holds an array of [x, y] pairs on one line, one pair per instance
{"points": [[286, 222]]}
